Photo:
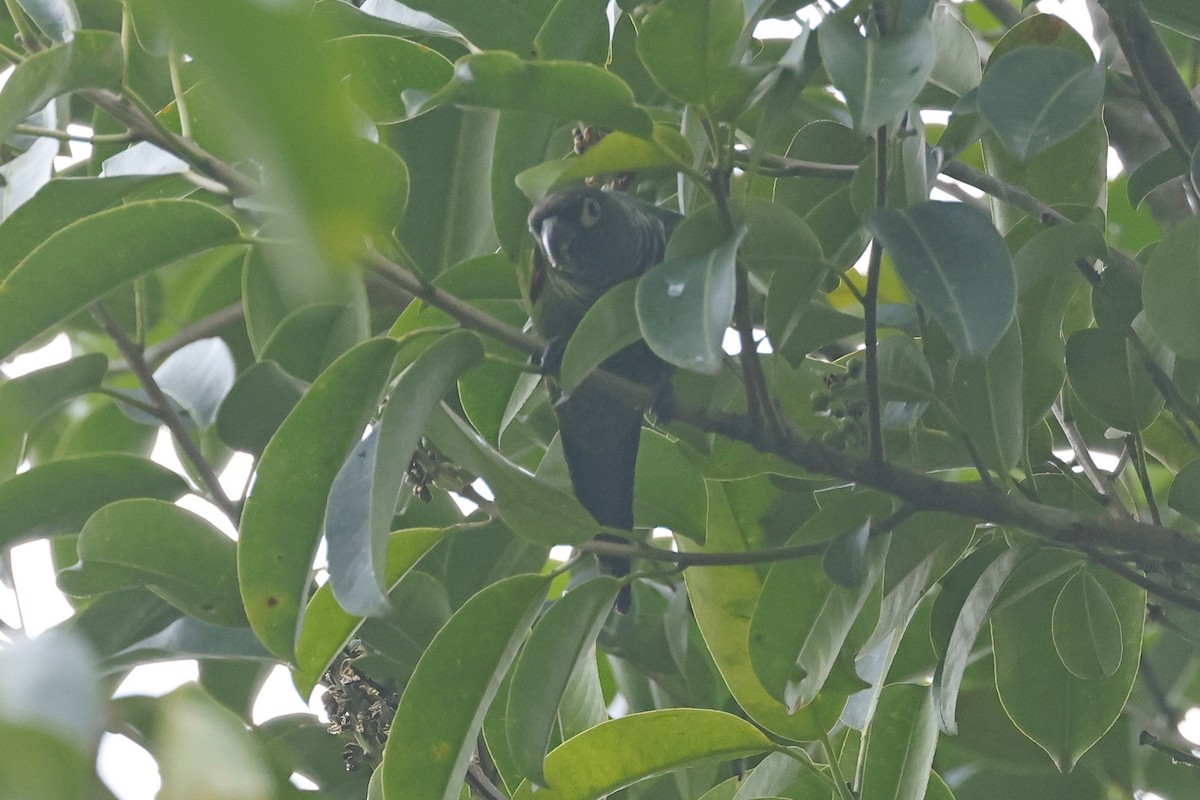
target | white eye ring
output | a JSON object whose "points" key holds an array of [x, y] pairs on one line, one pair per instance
{"points": [[589, 212]]}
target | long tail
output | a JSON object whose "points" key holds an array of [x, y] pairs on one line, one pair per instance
{"points": [[600, 443]]}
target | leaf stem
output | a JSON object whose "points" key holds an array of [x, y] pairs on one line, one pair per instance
{"points": [[137, 363], [66, 136], [870, 305], [844, 790]]}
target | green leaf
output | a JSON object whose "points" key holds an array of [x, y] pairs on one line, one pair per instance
{"points": [[190, 638], [904, 373], [560, 642], [668, 488], [1185, 491], [1035, 97], [616, 152], [28, 398], [987, 395], [326, 627], [198, 376], [622, 751], [610, 325], [957, 69], [1061, 712], [880, 76], [33, 504], [50, 683], [256, 405], [92, 60], [685, 303], [687, 46], [441, 711], [1086, 628], [380, 68], [723, 600], [1171, 288], [956, 265], [500, 24], [98, 253], [262, 65], [1111, 379], [575, 29], [899, 745], [845, 559], [281, 523], [534, 510], [567, 90], [795, 636], [363, 496], [58, 19], [965, 601], [179, 556], [1163, 166]]}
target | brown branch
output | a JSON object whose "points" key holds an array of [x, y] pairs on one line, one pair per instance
{"points": [[139, 367], [870, 306]]}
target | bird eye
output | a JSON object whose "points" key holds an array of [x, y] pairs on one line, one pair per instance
{"points": [[590, 212]]}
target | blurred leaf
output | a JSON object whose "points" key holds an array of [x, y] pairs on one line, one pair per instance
{"points": [[560, 642], [608, 757], [957, 68], [58, 19], [198, 376], [685, 303], [86, 259], [688, 46], [880, 76], [668, 488], [987, 395], [501, 24], [1035, 97], [265, 68], [50, 683], [1163, 166], [956, 265], [190, 638], [363, 496], [33, 504], [563, 89], [91, 60], [204, 750], [1111, 379], [281, 523], [442, 708], [845, 559], [1185, 491], [179, 556]]}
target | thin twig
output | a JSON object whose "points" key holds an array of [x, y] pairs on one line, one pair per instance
{"points": [[137, 364], [870, 305], [482, 784], [1143, 474], [66, 136], [1175, 754], [200, 329], [1101, 480]]}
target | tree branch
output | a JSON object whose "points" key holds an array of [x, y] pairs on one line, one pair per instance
{"points": [[137, 363]]}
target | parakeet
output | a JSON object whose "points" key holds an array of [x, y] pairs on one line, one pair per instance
{"points": [[589, 241]]}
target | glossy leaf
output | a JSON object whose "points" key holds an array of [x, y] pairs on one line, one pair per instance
{"points": [[616, 152], [956, 265], [560, 641], [1185, 491], [281, 523], [364, 495], [1063, 713], [668, 488], [255, 406], [1110, 379], [606, 758], [442, 708], [198, 377], [179, 556], [88, 258], [33, 504], [880, 76], [688, 46], [327, 627], [91, 60], [1163, 166], [685, 303], [1036, 97], [899, 745], [563, 89]]}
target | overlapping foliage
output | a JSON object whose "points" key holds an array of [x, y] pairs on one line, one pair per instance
{"points": [[932, 533]]}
